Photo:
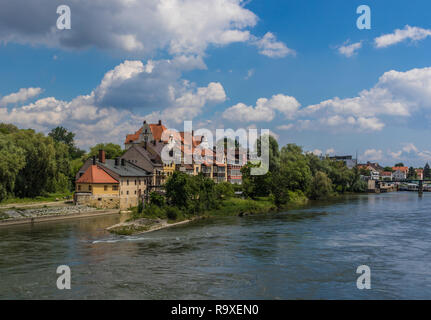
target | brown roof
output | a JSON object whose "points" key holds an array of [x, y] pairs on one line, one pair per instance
{"points": [[94, 174], [156, 130]]}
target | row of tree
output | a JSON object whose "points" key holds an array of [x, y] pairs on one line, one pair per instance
{"points": [[32, 164], [292, 170]]}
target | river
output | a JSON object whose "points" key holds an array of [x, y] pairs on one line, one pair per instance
{"points": [[307, 253]]}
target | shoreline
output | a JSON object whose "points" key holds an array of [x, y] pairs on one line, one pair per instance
{"points": [[50, 218]]}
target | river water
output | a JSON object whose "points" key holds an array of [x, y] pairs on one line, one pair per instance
{"points": [[308, 253]]}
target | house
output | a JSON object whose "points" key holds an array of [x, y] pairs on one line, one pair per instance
{"points": [[400, 173], [386, 175], [132, 182], [374, 168], [420, 173], [145, 149], [348, 160], [97, 188]]}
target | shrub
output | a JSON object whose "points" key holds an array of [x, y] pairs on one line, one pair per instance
{"points": [[157, 199], [172, 213]]}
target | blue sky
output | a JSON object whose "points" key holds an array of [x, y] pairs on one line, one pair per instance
{"points": [[211, 62]]}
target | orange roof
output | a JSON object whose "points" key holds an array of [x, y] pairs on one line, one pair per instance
{"points": [[156, 130], [401, 169], [94, 174]]}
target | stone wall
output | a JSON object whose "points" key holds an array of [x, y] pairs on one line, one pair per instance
{"points": [[97, 201]]}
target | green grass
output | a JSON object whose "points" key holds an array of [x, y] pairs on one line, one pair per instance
{"points": [[46, 198], [237, 206]]}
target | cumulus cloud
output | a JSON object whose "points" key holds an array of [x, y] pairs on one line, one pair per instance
{"points": [[265, 109], [270, 47], [22, 95], [400, 35], [397, 94], [95, 118], [373, 154], [349, 50], [141, 28]]}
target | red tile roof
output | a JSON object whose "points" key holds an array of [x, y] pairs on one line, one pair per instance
{"points": [[156, 130], [403, 169], [94, 174]]}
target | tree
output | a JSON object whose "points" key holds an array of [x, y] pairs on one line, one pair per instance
{"points": [[388, 169], [427, 171], [224, 190], [412, 173], [12, 160], [321, 186], [157, 199], [178, 190], [112, 150], [6, 128], [62, 135], [399, 164]]}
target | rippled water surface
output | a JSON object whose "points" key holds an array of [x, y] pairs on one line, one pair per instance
{"points": [[310, 253]]}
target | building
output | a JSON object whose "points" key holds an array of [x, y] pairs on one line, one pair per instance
{"points": [[348, 160], [133, 182], [420, 173], [97, 188], [386, 175], [400, 173], [146, 146]]}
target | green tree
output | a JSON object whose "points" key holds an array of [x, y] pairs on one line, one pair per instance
{"points": [[427, 171], [388, 169], [224, 190], [12, 160], [62, 135], [112, 150], [6, 128], [412, 173], [178, 190], [399, 164], [157, 199], [321, 186]]}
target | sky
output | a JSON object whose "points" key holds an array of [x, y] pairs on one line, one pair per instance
{"points": [[302, 69]]}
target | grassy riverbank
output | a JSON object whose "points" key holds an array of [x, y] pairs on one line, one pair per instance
{"points": [[51, 197], [156, 218]]}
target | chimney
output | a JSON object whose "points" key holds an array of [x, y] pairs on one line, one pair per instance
{"points": [[94, 160], [117, 161], [102, 156], [123, 162], [145, 122], [160, 122]]}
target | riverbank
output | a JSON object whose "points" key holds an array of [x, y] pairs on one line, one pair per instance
{"points": [[36, 214], [142, 223]]}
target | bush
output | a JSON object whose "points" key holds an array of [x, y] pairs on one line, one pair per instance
{"points": [[157, 199], [154, 211], [172, 213]]}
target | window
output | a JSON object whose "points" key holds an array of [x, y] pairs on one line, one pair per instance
{"points": [[105, 188], [127, 181], [135, 191], [79, 187], [89, 187], [127, 192], [115, 188], [135, 182]]}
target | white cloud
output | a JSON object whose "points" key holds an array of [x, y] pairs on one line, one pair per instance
{"points": [[373, 154], [397, 94], [265, 109], [317, 152], [399, 35], [141, 28], [285, 127], [250, 74], [330, 151], [349, 50], [270, 47], [94, 119], [22, 95]]}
